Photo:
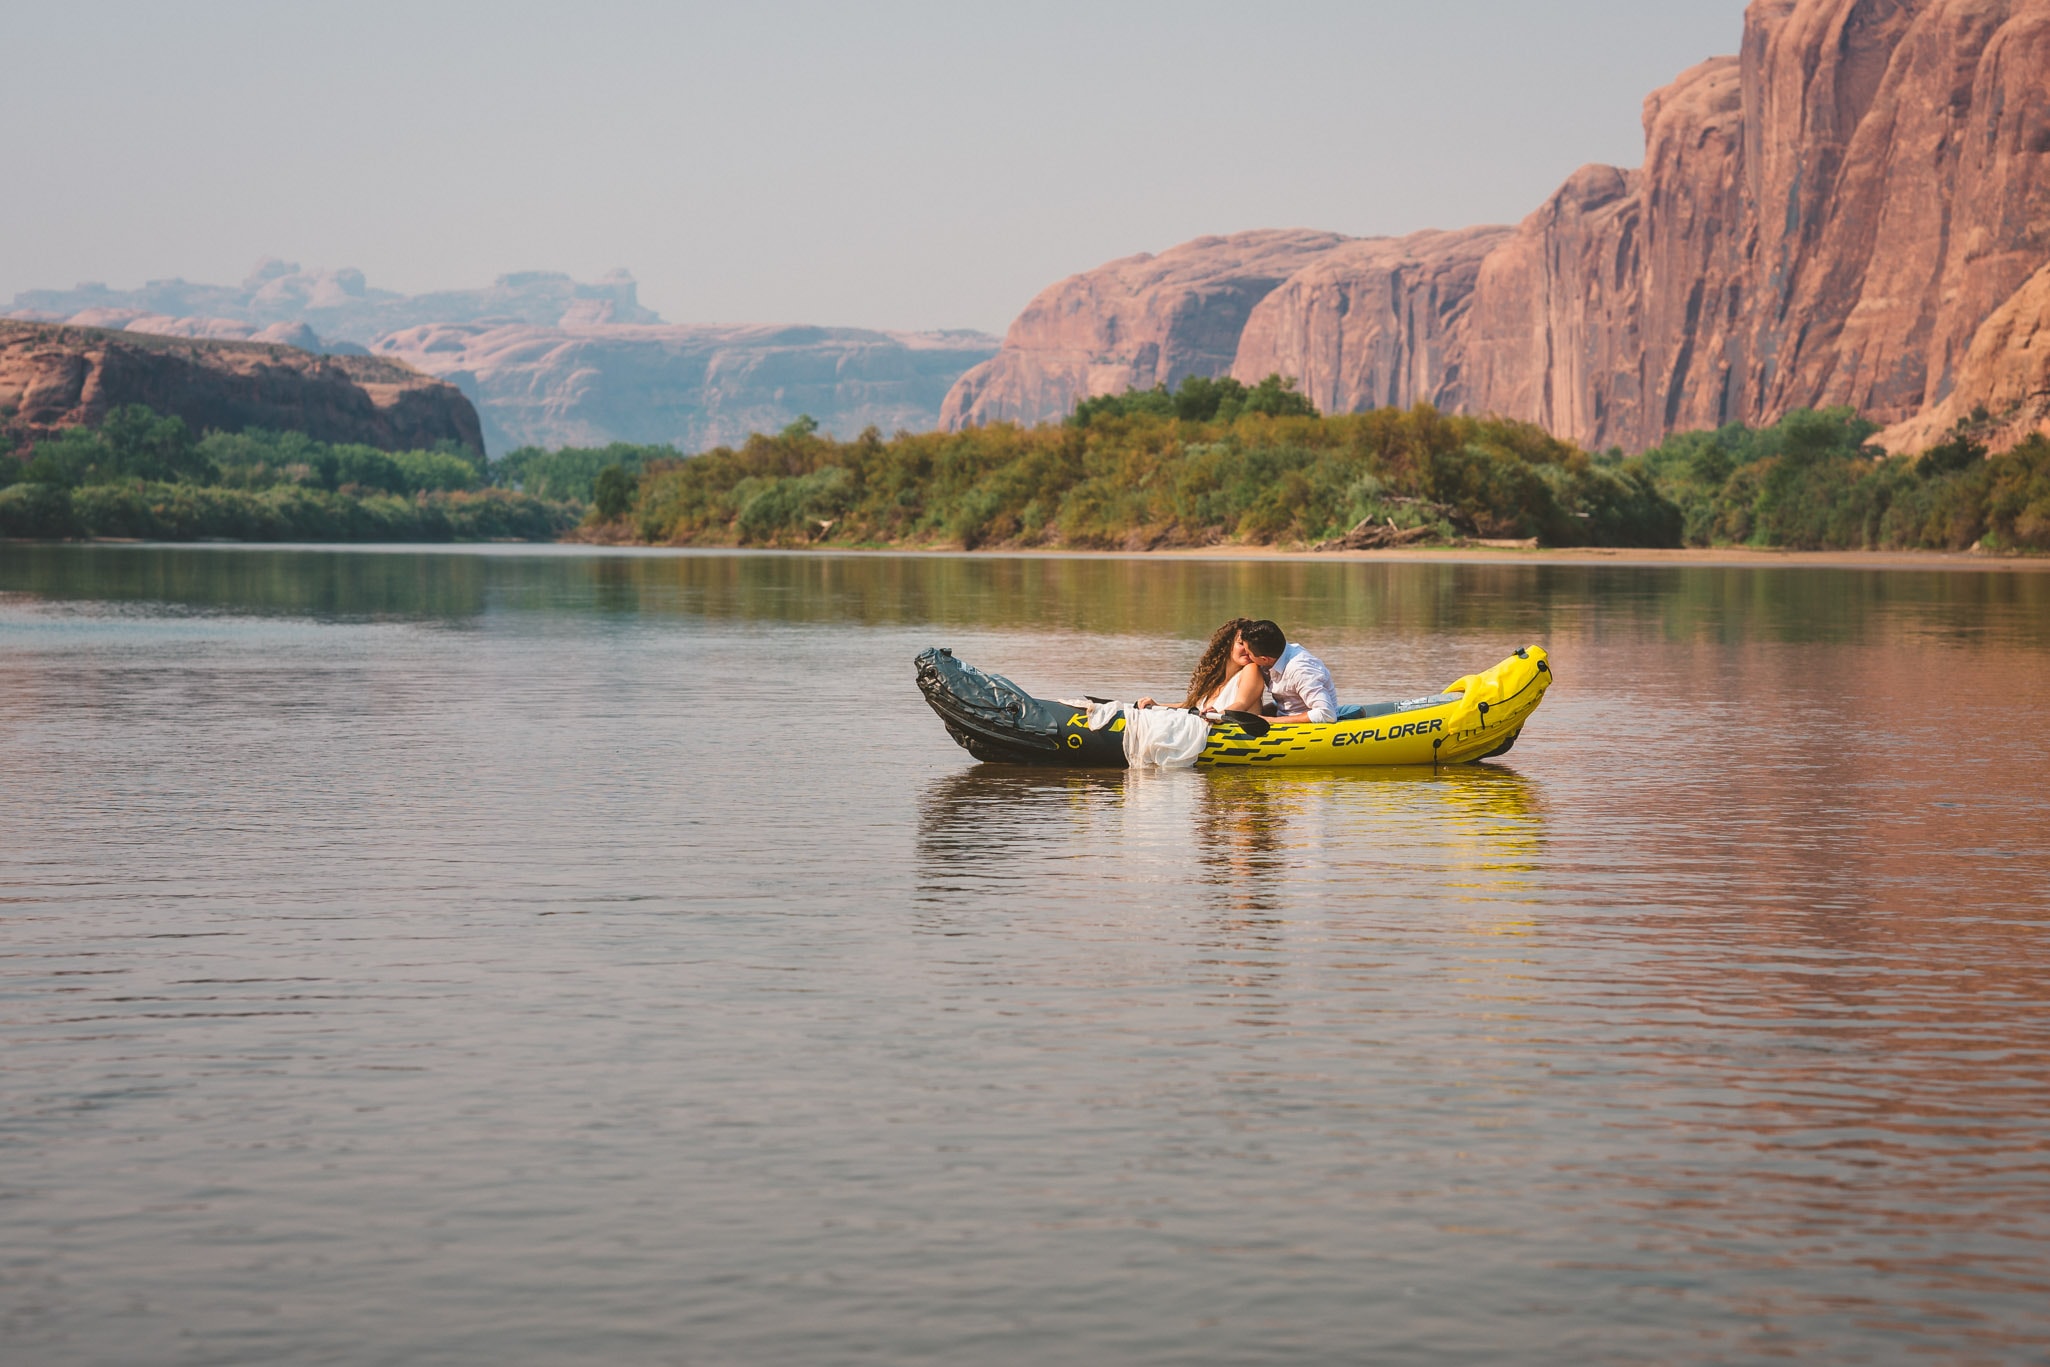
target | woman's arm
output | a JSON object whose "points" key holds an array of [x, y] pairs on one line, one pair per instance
{"points": [[1242, 692]]}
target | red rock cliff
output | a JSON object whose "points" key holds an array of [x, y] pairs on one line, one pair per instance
{"points": [[1138, 322], [1838, 215], [61, 376], [1371, 322]]}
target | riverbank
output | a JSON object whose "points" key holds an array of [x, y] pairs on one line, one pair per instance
{"points": [[1469, 553], [1382, 481], [1743, 557]]}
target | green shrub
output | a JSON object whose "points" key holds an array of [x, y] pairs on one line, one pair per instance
{"points": [[36, 510], [791, 507], [132, 443], [1809, 482], [435, 472], [1199, 399], [572, 472], [139, 475], [2018, 497], [187, 512], [613, 493]]}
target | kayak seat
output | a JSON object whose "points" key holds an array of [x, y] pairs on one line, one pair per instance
{"points": [[1360, 711]]}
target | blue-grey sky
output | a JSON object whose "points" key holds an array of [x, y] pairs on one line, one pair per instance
{"points": [[887, 164]]}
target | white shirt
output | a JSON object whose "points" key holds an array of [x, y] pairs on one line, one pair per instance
{"points": [[1301, 684]]}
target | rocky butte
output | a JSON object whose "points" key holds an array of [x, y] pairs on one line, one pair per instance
{"points": [[552, 361], [56, 375], [1853, 210]]}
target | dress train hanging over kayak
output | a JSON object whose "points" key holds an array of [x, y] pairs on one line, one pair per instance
{"points": [[1473, 718]]}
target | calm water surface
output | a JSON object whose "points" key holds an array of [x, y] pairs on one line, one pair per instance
{"points": [[500, 958]]}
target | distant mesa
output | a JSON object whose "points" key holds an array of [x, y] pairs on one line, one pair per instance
{"points": [[55, 375], [550, 361], [1853, 211], [581, 384], [338, 304]]}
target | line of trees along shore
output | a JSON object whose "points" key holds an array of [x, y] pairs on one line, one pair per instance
{"points": [[1216, 462], [1213, 462], [143, 475]]}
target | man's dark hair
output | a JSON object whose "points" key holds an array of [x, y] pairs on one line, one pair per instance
{"points": [[1263, 638]]}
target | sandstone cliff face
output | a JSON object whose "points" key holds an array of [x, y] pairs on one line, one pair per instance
{"points": [[1826, 219], [1898, 190], [1603, 317], [2005, 373], [694, 387], [1134, 323], [1831, 217], [61, 376], [1371, 322]]}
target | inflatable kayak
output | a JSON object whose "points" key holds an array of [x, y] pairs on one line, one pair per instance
{"points": [[1474, 718]]}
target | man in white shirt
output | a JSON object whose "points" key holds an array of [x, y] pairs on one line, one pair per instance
{"points": [[1302, 687], [1298, 681]]}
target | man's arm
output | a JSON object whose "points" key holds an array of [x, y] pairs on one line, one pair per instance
{"points": [[1308, 680]]}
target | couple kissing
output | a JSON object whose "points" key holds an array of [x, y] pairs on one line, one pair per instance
{"points": [[1246, 660]]}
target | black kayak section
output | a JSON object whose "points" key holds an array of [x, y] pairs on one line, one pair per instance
{"points": [[1000, 723]]}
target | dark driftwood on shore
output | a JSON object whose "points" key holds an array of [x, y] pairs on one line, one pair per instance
{"points": [[1370, 535], [1381, 535]]}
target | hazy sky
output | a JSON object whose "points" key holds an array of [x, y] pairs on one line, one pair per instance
{"points": [[890, 164]]}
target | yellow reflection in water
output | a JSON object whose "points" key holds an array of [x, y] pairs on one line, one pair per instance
{"points": [[1247, 842]]}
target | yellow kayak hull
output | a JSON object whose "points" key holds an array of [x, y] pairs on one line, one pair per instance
{"points": [[1484, 719]]}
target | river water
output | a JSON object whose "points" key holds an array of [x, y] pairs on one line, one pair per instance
{"points": [[506, 957]]}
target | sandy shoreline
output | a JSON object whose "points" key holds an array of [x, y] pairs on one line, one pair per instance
{"points": [[1727, 556], [1470, 554], [1736, 556]]}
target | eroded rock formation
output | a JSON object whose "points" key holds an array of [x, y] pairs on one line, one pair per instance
{"points": [[1838, 215], [54, 376]]}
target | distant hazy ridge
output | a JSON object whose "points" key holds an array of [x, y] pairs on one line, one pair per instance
{"points": [[551, 361]]}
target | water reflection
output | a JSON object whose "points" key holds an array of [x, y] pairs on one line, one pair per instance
{"points": [[1181, 598], [1243, 840]]}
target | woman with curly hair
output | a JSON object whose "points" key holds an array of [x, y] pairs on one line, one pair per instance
{"points": [[1231, 675]]}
